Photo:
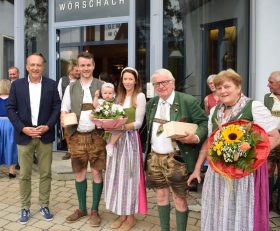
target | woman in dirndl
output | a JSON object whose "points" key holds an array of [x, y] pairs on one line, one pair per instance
{"points": [[235, 204], [125, 193], [8, 149]]}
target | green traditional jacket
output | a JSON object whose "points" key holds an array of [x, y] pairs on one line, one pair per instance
{"points": [[185, 108]]}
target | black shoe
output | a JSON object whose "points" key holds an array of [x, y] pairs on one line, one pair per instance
{"points": [[35, 160], [17, 167], [11, 176], [67, 156]]}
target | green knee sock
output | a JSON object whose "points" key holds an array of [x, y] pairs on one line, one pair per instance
{"points": [[164, 216], [96, 194], [181, 220], [81, 188], [271, 187]]}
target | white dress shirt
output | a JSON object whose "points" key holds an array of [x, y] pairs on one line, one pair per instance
{"points": [[35, 98], [276, 107], [161, 144]]}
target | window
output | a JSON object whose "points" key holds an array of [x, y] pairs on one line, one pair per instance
{"points": [[203, 37]]}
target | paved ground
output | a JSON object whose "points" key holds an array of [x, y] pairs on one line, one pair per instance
{"points": [[63, 202]]}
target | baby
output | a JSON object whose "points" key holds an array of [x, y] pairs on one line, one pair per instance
{"points": [[108, 94]]}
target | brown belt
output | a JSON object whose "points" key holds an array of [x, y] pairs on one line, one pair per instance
{"points": [[160, 121], [275, 113], [86, 106]]}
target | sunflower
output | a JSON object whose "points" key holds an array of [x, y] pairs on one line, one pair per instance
{"points": [[232, 134]]}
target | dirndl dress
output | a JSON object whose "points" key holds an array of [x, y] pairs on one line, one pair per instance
{"points": [[8, 149], [125, 191]]}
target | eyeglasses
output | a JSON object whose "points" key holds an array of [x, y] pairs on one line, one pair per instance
{"points": [[163, 83]]}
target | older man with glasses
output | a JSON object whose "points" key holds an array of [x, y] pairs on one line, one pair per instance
{"points": [[170, 160]]}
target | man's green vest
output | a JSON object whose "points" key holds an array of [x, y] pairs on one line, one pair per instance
{"points": [[77, 95], [64, 83], [268, 101]]}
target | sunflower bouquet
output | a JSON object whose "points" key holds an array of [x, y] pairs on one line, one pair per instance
{"points": [[234, 148]]}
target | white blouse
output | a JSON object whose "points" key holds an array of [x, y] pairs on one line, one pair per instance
{"points": [[140, 109]]}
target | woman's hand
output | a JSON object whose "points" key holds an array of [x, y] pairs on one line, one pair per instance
{"points": [[194, 175]]}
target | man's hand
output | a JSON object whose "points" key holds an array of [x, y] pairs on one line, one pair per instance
{"points": [[62, 116], [188, 138], [32, 132], [42, 129]]}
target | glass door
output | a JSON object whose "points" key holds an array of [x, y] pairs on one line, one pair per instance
{"points": [[108, 43], [219, 48]]}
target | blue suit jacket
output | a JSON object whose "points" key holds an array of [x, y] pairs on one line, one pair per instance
{"points": [[19, 110]]}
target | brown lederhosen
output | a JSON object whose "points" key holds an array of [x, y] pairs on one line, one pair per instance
{"points": [[274, 155], [167, 170], [87, 147]]}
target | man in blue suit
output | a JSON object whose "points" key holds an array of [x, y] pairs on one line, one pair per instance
{"points": [[33, 109]]}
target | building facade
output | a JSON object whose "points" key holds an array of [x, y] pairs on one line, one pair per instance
{"points": [[192, 38], [6, 37]]}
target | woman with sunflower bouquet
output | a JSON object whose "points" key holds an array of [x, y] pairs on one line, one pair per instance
{"points": [[234, 194]]}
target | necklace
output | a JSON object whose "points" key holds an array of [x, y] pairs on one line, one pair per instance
{"points": [[228, 107]]}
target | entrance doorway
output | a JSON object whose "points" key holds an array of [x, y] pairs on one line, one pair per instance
{"points": [[219, 41], [108, 43]]}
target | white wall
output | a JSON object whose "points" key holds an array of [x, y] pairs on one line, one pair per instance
{"points": [[6, 18], [6, 29], [267, 44]]}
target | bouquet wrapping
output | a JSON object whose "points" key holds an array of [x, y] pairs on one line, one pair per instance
{"points": [[238, 148], [108, 115]]}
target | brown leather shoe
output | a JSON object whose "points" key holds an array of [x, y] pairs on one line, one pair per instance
{"points": [[117, 223], [127, 225], [67, 156], [94, 219], [77, 215]]}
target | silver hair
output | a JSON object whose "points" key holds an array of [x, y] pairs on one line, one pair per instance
{"points": [[164, 72], [211, 77], [276, 75]]}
